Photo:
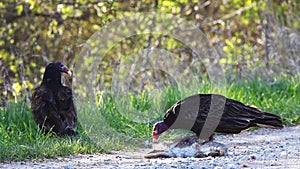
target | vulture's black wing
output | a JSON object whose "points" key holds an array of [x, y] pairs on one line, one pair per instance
{"points": [[45, 112], [238, 116], [67, 109]]}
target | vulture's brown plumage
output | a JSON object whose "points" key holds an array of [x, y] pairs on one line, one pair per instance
{"points": [[52, 103], [207, 113]]}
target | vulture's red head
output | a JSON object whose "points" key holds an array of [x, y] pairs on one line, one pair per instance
{"points": [[158, 128], [62, 68], [52, 75]]}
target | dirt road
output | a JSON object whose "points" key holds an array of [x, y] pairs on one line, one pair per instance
{"points": [[262, 148]]}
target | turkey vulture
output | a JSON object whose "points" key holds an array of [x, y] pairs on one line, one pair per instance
{"points": [[207, 113], [52, 103]]}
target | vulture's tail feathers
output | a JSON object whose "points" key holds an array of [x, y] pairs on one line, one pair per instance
{"points": [[264, 119], [269, 120]]}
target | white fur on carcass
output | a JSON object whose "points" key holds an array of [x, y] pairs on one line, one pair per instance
{"points": [[192, 148]]}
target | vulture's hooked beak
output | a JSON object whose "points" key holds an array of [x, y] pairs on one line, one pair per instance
{"points": [[66, 70], [155, 137], [69, 72]]}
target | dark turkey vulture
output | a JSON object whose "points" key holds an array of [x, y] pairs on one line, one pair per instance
{"points": [[207, 113], [52, 103]]}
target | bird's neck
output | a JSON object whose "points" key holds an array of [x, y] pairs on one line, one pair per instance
{"points": [[52, 80]]}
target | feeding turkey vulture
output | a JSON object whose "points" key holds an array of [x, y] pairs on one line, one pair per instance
{"points": [[52, 103], [207, 113]]}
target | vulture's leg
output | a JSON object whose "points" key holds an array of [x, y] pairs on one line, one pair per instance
{"points": [[196, 137], [187, 138], [210, 138]]}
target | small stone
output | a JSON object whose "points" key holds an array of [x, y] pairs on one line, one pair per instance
{"points": [[67, 167], [218, 167], [245, 165], [283, 153]]}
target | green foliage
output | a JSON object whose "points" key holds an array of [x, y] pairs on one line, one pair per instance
{"points": [[141, 102], [33, 33]]}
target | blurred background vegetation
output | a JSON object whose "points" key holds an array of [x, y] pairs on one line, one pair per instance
{"points": [[258, 43], [255, 38]]}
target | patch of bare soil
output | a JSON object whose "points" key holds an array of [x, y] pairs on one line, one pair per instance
{"points": [[262, 148]]}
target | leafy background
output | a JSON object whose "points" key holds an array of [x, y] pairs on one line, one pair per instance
{"points": [[254, 38]]}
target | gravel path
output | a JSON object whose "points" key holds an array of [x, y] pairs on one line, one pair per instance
{"points": [[262, 148]]}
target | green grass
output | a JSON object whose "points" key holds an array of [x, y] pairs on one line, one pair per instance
{"points": [[21, 139], [124, 122]]}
